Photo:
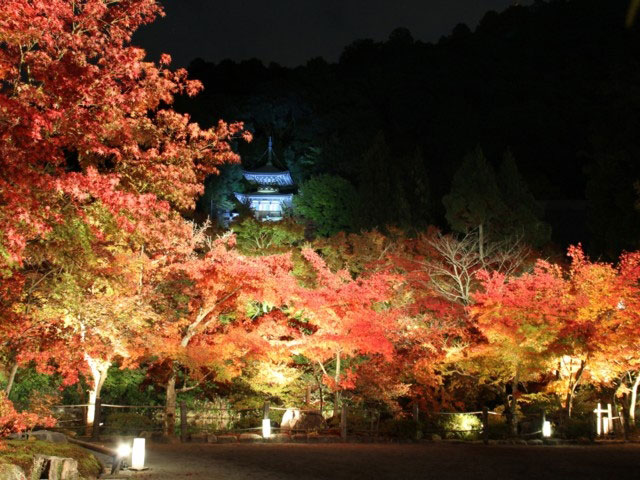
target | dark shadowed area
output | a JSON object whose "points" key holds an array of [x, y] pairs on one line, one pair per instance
{"points": [[377, 462], [290, 32]]}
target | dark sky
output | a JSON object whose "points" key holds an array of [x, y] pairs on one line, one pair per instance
{"points": [[290, 32]]}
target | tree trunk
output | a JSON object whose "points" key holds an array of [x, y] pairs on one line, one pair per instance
{"points": [[513, 406], [634, 399], [99, 369], [336, 398], [170, 406], [481, 242], [572, 387], [12, 377]]}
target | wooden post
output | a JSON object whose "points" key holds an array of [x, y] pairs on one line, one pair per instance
{"points": [[416, 419], [485, 425], [609, 418], [343, 424], [95, 431], [265, 410], [183, 421], [544, 419], [624, 417]]}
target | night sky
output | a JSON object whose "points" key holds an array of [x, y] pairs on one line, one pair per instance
{"points": [[290, 32]]}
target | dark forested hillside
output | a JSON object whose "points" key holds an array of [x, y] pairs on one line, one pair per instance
{"points": [[557, 84]]}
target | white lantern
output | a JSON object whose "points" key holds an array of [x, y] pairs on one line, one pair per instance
{"points": [[546, 429], [137, 455], [266, 428], [124, 450]]}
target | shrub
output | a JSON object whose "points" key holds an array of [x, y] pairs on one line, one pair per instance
{"points": [[460, 425], [403, 428], [577, 427], [128, 423], [12, 421]]}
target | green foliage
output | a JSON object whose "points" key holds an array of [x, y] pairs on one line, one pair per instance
{"points": [[27, 382], [577, 427], [127, 423], [382, 196], [329, 202], [460, 425], [126, 387], [402, 428], [474, 199], [219, 189], [524, 212], [502, 204], [261, 238]]}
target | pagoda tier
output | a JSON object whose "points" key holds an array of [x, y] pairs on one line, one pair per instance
{"points": [[268, 203], [267, 206], [269, 175]]}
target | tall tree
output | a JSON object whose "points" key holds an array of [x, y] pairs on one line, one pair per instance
{"points": [[524, 217], [474, 201], [83, 114]]}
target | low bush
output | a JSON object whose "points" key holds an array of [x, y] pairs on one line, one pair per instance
{"points": [[127, 423], [460, 425]]}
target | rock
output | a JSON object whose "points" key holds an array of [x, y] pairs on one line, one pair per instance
{"points": [[170, 439], [294, 419], [11, 472], [520, 441], [212, 438], [48, 436], [249, 437], [227, 439], [434, 437], [324, 438], [535, 441], [57, 468], [199, 437], [280, 437], [551, 441]]}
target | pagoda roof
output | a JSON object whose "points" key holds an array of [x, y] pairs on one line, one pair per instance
{"points": [[268, 175]]}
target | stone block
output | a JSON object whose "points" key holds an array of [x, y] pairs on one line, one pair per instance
{"points": [[280, 437], [250, 438], [57, 468], [227, 439], [11, 472]]}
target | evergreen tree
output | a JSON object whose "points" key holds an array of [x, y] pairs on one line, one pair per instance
{"points": [[524, 212], [418, 190], [474, 200], [329, 202], [382, 196]]}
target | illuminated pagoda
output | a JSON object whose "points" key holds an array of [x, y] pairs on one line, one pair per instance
{"points": [[273, 185]]}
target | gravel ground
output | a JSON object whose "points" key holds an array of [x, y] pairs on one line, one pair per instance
{"points": [[371, 462]]}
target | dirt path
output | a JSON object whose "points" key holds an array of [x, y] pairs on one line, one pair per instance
{"points": [[373, 462]]}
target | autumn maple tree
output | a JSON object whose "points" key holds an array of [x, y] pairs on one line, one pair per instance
{"points": [[94, 167], [82, 114], [521, 318]]}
